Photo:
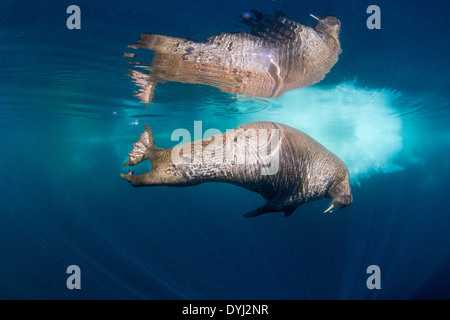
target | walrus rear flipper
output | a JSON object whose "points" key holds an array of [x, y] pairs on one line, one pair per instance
{"points": [[143, 149]]}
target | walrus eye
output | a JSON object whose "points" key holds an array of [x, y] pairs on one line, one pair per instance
{"points": [[338, 190]]}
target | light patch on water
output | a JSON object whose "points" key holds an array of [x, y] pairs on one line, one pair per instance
{"points": [[359, 125]]}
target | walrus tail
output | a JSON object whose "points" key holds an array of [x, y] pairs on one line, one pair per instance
{"points": [[159, 43], [143, 149]]}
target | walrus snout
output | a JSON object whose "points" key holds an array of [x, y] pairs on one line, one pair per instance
{"points": [[342, 201], [340, 195], [331, 21], [339, 202], [329, 25]]}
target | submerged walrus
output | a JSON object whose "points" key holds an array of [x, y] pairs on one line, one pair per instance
{"points": [[278, 55], [286, 166]]}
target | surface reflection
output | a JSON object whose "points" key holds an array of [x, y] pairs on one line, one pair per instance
{"points": [[278, 55]]}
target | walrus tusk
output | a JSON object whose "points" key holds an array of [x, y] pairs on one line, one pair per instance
{"points": [[330, 209], [314, 17]]}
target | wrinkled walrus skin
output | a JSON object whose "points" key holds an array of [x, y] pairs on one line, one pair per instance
{"points": [[306, 170], [278, 55]]}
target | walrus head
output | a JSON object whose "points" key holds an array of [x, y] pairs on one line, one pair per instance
{"points": [[340, 195], [329, 25]]}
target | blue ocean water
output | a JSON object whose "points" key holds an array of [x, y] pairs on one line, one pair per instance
{"points": [[69, 118]]}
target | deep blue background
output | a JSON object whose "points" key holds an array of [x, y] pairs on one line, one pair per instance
{"points": [[67, 110]]}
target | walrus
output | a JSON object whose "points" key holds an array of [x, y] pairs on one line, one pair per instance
{"points": [[284, 165], [278, 55]]}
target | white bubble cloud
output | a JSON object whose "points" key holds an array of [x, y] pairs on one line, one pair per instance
{"points": [[359, 125]]}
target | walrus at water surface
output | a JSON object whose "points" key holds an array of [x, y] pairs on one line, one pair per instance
{"points": [[284, 165], [278, 55]]}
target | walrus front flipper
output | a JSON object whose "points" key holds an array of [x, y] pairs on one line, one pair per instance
{"points": [[143, 149], [159, 43], [256, 212], [264, 209], [278, 27], [288, 212]]}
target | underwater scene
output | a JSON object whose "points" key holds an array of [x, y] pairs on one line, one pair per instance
{"points": [[217, 150]]}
